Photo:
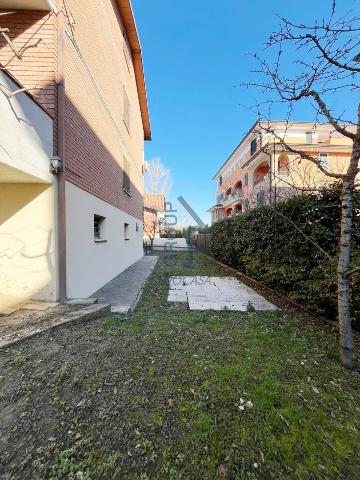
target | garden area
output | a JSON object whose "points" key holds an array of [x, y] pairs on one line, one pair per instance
{"points": [[293, 248], [168, 393]]}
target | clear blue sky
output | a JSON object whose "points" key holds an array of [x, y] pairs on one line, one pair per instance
{"points": [[194, 56]]}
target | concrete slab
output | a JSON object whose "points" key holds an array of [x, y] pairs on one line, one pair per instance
{"points": [[124, 291], [216, 293], [122, 309], [39, 306], [81, 301], [74, 317]]}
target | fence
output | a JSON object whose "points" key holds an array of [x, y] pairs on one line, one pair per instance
{"points": [[204, 242]]}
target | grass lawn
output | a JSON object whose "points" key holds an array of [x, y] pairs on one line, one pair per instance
{"points": [[163, 394]]}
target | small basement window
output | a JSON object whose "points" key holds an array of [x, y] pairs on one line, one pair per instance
{"points": [[99, 227], [126, 231]]}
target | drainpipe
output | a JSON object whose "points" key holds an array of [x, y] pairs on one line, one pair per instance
{"points": [[270, 180], [61, 217]]}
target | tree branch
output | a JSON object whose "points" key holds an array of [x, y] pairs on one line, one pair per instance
{"points": [[327, 56]]}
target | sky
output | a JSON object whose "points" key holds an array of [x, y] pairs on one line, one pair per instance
{"points": [[195, 55]]}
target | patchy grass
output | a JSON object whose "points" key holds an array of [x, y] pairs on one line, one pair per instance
{"points": [[166, 393]]}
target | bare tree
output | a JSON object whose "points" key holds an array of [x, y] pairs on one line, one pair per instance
{"points": [[158, 178], [153, 224], [325, 62]]}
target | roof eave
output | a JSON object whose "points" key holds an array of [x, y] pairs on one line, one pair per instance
{"points": [[128, 19]]}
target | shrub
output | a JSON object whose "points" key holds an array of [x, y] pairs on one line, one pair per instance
{"points": [[265, 244]]}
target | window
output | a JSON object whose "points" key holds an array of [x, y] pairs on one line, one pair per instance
{"points": [[283, 165], [253, 146], [220, 181], [324, 160], [126, 175], [246, 204], [99, 226], [126, 231], [309, 138], [246, 179], [126, 114], [260, 198]]}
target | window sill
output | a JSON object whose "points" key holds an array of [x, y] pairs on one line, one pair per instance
{"points": [[127, 193], [99, 240]]}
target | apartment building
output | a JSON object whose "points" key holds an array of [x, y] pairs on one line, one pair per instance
{"points": [[73, 120], [260, 171]]}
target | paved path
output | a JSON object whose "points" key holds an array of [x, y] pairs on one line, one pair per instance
{"points": [[124, 291]]}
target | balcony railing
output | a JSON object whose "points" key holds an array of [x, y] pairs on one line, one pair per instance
{"points": [[234, 196], [261, 179]]}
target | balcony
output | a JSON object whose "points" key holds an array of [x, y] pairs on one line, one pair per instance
{"points": [[261, 173], [220, 199], [45, 5], [236, 195]]}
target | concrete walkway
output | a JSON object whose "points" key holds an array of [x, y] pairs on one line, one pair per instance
{"points": [[124, 291]]}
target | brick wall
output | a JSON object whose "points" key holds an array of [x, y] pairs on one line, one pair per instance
{"points": [[37, 68], [95, 144], [96, 137]]}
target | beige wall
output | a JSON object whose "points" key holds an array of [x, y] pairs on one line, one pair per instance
{"points": [[27, 243], [91, 264]]}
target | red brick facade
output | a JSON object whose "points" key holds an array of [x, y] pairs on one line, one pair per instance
{"points": [[98, 68]]}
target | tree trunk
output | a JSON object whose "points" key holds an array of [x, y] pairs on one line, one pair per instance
{"points": [[343, 277], [343, 280]]}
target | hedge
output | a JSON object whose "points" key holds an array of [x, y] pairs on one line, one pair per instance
{"points": [[265, 244]]}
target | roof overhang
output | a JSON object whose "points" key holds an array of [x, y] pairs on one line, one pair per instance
{"points": [[128, 19], [45, 5]]}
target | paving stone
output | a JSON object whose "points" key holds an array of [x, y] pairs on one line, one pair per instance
{"points": [[82, 301], [216, 293], [123, 309], [124, 291]]}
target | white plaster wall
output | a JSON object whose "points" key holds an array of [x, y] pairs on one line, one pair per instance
{"points": [[91, 264], [28, 260], [26, 135]]}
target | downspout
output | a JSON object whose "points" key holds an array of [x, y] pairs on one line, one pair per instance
{"points": [[61, 217], [270, 180]]}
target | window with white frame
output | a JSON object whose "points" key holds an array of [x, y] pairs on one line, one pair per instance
{"points": [[309, 138], [324, 162], [99, 228], [126, 231]]}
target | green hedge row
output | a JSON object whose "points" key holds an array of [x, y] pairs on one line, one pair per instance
{"points": [[265, 244]]}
